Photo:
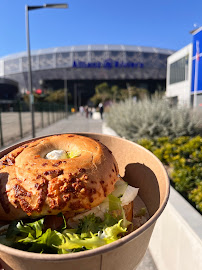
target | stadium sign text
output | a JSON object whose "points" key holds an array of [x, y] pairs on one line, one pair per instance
{"points": [[109, 63]]}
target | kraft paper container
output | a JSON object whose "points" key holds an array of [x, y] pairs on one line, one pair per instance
{"points": [[141, 169]]}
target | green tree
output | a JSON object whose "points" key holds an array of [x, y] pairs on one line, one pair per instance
{"points": [[57, 96], [139, 93], [115, 92], [102, 93], [37, 98], [130, 92]]}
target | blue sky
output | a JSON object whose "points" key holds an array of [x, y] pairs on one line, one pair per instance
{"points": [[156, 23]]}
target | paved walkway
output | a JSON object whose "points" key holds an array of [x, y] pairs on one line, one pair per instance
{"points": [[77, 123], [74, 123]]}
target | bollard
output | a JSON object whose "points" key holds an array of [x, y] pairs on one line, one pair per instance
{"points": [[42, 120], [53, 113], [1, 130], [49, 114], [20, 119]]}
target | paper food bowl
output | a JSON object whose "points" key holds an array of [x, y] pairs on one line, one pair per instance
{"points": [[140, 168]]}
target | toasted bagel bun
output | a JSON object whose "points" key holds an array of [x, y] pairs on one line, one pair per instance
{"points": [[31, 185], [128, 209]]}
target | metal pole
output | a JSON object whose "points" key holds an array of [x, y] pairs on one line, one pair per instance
{"points": [[75, 97], [56, 109], [66, 97], [49, 114], [30, 72], [79, 97], [42, 119], [196, 76], [53, 106]]}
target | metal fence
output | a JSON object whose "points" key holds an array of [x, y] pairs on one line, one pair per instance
{"points": [[15, 124]]}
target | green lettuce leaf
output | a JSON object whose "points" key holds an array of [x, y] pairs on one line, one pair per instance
{"points": [[47, 241], [89, 224], [48, 238], [36, 226], [114, 203], [109, 220], [125, 222], [111, 234], [64, 226], [107, 235], [24, 229], [12, 230], [73, 241], [119, 188]]}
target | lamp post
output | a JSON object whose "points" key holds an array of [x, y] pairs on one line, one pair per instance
{"points": [[27, 9], [80, 97]]}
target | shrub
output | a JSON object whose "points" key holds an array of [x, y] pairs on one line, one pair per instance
{"points": [[196, 196], [170, 133], [183, 155], [151, 119]]}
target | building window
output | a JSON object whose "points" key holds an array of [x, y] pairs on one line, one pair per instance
{"points": [[130, 54], [115, 53], [98, 53], [179, 70]]}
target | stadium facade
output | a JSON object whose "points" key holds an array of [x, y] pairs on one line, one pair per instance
{"points": [[86, 66], [184, 73]]}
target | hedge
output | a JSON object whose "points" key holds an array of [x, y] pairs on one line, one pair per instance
{"points": [[183, 158]]}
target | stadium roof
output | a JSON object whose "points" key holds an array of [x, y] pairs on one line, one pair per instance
{"points": [[91, 48]]}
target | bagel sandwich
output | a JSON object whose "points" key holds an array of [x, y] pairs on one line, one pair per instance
{"points": [[62, 194]]}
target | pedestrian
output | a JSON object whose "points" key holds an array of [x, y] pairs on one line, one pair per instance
{"points": [[90, 112], [86, 111], [93, 111], [101, 108], [81, 110]]}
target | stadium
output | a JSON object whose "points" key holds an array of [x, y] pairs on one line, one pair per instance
{"points": [[84, 67]]}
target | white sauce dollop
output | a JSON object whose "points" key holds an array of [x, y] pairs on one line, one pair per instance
{"points": [[57, 154]]}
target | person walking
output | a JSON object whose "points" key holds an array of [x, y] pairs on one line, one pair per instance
{"points": [[101, 108], [86, 111], [90, 112], [81, 110]]}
